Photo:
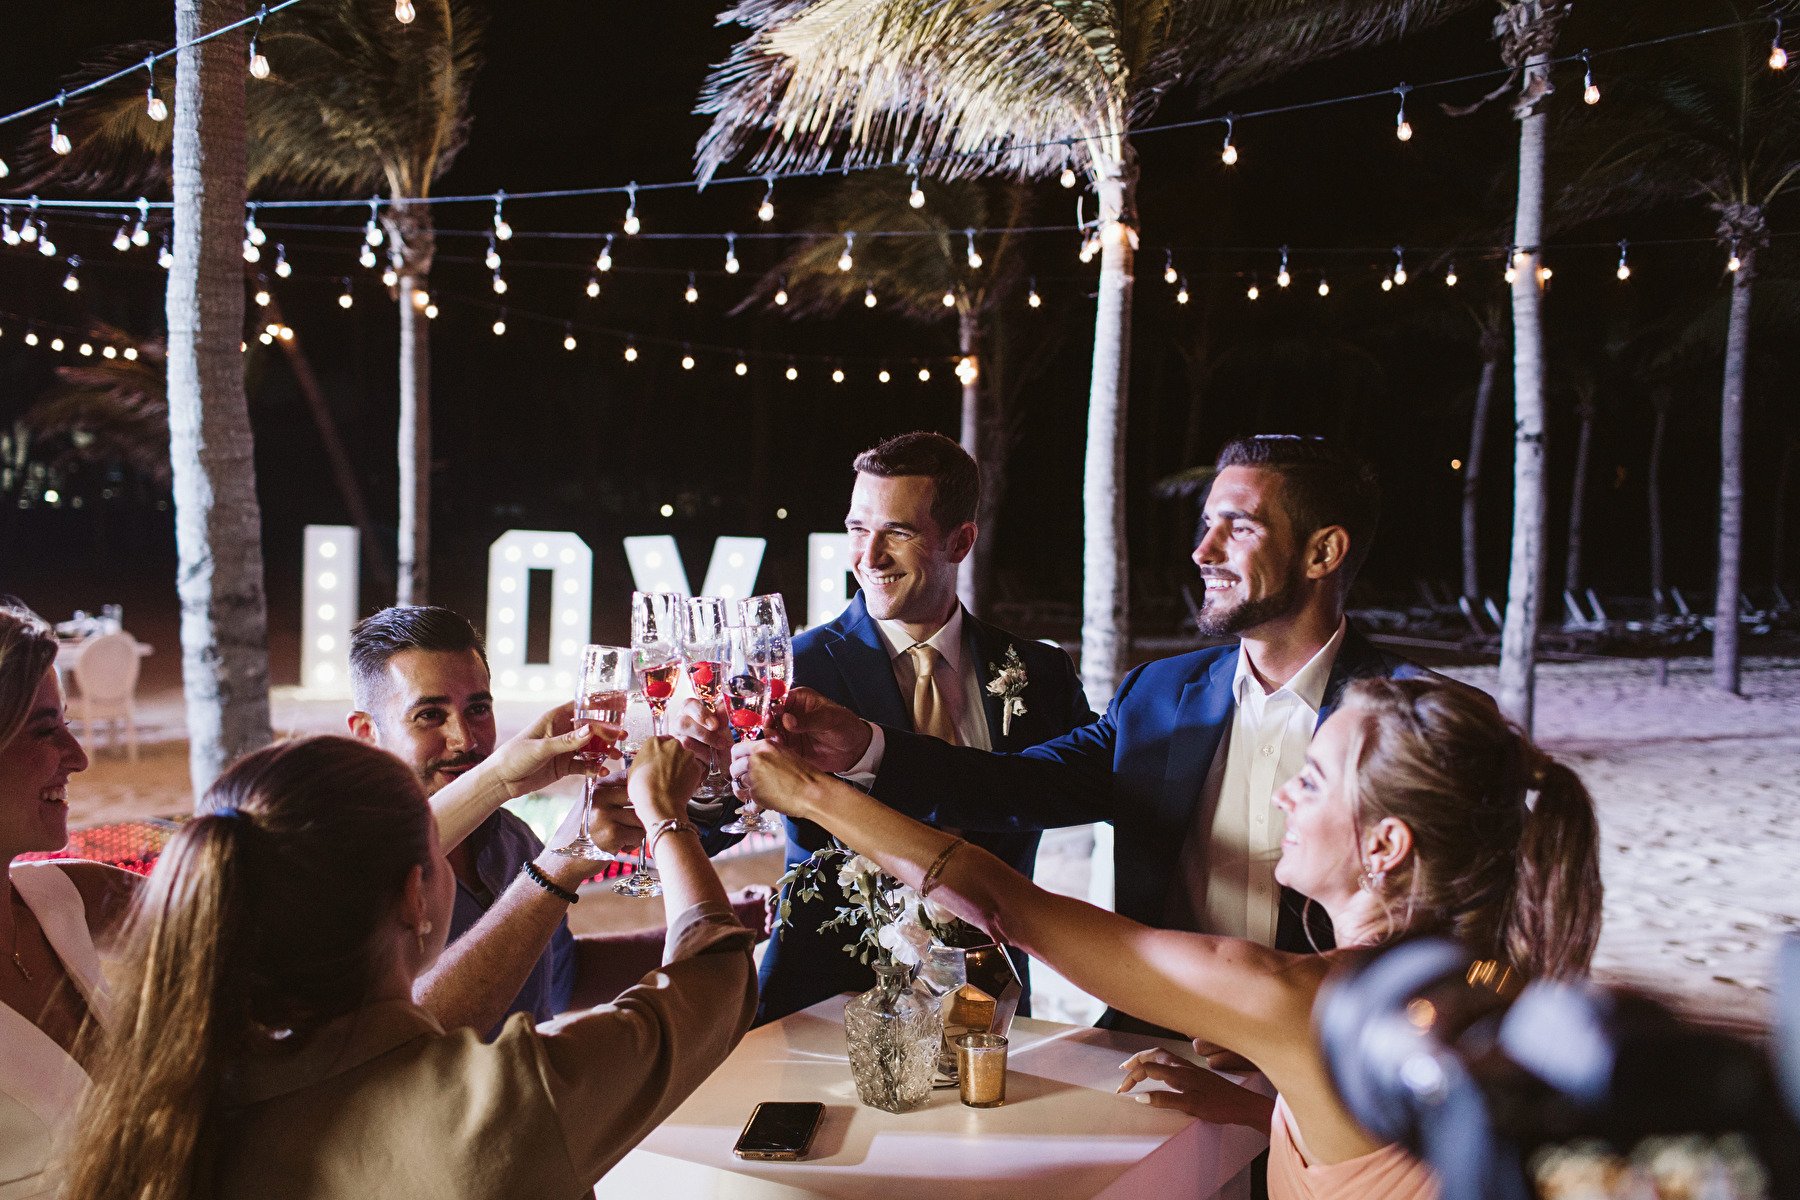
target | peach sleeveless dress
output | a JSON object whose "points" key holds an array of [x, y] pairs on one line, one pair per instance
{"points": [[1389, 1173]]}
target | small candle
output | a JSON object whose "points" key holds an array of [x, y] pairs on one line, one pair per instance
{"points": [[981, 1069]]}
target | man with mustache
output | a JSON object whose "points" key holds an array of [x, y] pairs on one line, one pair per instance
{"points": [[419, 679], [1192, 748]]}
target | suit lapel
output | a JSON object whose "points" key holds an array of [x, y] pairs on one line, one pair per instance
{"points": [[1201, 719], [861, 657], [985, 645]]}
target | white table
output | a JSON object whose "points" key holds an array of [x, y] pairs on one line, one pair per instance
{"points": [[69, 649], [1062, 1134]]}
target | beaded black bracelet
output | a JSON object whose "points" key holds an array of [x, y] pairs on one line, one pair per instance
{"points": [[548, 884]]}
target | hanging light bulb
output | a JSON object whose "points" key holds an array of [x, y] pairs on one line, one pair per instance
{"points": [[630, 352], [1090, 246], [502, 230], [59, 141], [974, 256], [766, 210], [1228, 153], [1624, 271], [431, 312], [742, 368], [130, 353], [1324, 287], [122, 239], [1590, 91], [57, 344], [281, 263], [949, 299], [1031, 297], [781, 296], [924, 374], [692, 295], [1387, 284], [883, 376], [632, 224], [28, 231], [86, 349], [346, 297], [262, 296], [45, 246], [252, 231], [31, 337], [251, 253], [421, 298], [390, 277], [731, 258], [4, 169], [1733, 263], [1169, 273], [372, 231], [1399, 275], [869, 298], [837, 375], [1068, 177], [604, 262], [500, 324], [1253, 292], [1543, 276], [259, 64], [1450, 275], [492, 257], [1282, 278], [109, 352], [593, 287], [499, 284], [568, 337], [792, 373], [70, 282], [687, 359], [165, 257], [1402, 127], [845, 262], [1777, 56], [915, 197], [1513, 258], [1181, 297], [266, 338], [8, 234], [366, 256], [140, 233], [404, 12], [153, 103]]}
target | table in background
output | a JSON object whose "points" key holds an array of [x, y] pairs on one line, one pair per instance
{"points": [[69, 649], [1062, 1134]]}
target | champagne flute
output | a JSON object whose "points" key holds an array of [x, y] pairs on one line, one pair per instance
{"points": [[704, 645], [761, 659], [640, 726], [600, 693], [656, 648], [768, 611]]}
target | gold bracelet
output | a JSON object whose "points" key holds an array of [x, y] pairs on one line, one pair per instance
{"points": [[669, 825], [936, 869]]}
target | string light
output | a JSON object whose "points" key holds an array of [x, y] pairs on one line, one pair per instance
{"points": [[593, 286], [1282, 278], [766, 210], [500, 324], [687, 359], [404, 11], [86, 349], [390, 277], [499, 283], [568, 336], [59, 141], [1733, 263], [1181, 297], [492, 258], [731, 258], [1624, 271], [1090, 246], [27, 229], [781, 296], [1777, 56], [4, 169], [140, 233], [1402, 127], [431, 312], [692, 295], [8, 234], [1399, 275], [869, 298], [949, 299], [154, 107], [882, 376], [974, 256], [109, 352], [845, 262], [421, 298], [1450, 275], [1253, 292], [70, 282], [792, 372], [1513, 257], [56, 344], [122, 239], [924, 375], [632, 224], [259, 64], [837, 375], [1228, 154], [281, 263], [253, 231], [1543, 276], [631, 354], [130, 353], [31, 337], [502, 230], [915, 197], [347, 297], [372, 231], [1169, 273], [1324, 287], [1590, 91], [1031, 297], [742, 368], [45, 246], [262, 296], [1068, 177], [165, 257], [366, 256], [604, 262]]}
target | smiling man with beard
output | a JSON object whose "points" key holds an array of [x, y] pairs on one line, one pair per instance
{"points": [[1191, 749]]}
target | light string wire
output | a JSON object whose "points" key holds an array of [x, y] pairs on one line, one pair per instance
{"points": [[1581, 57]]}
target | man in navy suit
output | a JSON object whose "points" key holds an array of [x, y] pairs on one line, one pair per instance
{"points": [[1191, 748], [906, 653]]}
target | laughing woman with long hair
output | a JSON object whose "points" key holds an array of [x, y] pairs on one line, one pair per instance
{"points": [[266, 1044]]}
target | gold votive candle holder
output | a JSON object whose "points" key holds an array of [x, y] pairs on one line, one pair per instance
{"points": [[981, 1069]]}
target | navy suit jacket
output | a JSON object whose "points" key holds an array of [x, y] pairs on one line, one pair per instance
{"points": [[849, 661], [1142, 767]]}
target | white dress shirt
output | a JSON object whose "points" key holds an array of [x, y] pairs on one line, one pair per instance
{"points": [[1225, 878]]}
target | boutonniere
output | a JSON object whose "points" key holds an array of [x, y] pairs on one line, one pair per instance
{"points": [[1008, 683]]}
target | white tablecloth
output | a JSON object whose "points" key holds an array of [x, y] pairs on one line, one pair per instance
{"points": [[1062, 1134]]}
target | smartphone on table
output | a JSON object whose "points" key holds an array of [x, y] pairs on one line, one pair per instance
{"points": [[779, 1130]]}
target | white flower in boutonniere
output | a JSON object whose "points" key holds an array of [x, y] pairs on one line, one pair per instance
{"points": [[1008, 683]]}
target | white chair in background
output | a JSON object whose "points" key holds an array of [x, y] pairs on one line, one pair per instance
{"points": [[106, 675]]}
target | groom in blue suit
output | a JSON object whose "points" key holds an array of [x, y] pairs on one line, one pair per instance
{"points": [[911, 524], [1191, 748]]}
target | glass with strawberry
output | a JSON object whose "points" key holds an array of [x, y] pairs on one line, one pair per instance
{"points": [[600, 698], [761, 664], [705, 645], [656, 619]]}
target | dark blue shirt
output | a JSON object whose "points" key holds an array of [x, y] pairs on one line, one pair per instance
{"points": [[503, 845]]}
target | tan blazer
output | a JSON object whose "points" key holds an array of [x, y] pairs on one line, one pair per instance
{"points": [[383, 1102]]}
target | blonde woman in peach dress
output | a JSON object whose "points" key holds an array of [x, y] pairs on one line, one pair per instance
{"points": [[1419, 809]]}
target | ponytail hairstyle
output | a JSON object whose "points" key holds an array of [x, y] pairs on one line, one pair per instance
{"points": [[27, 651], [261, 921], [1505, 844]]}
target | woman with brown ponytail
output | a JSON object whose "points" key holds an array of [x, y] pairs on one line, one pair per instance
{"points": [[1419, 808], [265, 1042], [52, 914]]}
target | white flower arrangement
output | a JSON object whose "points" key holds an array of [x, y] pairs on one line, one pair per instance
{"points": [[890, 920], [1008, 683]]}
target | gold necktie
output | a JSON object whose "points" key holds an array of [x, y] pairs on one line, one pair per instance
{"points": [[931, 716]]}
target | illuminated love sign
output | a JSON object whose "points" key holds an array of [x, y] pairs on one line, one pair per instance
{"points": [[512, 560], [328, 598], [656, 566]]}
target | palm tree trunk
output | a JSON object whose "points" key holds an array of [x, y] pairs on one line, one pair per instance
{"points": [[218, 526], [968, 344], [1524, 585], [1105, 586], [1471, 497], [1659, 426], [414, 244], [1731, 480], [1578, 497]]}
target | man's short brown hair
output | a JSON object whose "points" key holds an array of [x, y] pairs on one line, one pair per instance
{"points": [[956, 478], [1323, 485]]}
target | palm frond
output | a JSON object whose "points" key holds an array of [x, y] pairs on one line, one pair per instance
{"points": [[112, 412]]}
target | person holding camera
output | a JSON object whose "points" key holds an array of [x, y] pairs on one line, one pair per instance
{"points": [[1419, 808]]}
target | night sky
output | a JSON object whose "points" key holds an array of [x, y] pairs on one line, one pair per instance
{"points": [[529, 435]]}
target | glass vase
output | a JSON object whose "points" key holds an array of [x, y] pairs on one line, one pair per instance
{"points": [[893, 1031]]}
